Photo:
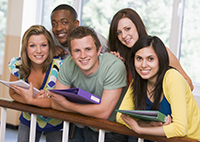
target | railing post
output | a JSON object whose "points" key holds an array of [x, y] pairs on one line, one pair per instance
{"points": [[140, 140], [65, 133], [32, 128], [3, 123], [101, 135]]}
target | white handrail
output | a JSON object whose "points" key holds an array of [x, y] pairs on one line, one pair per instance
{"points": [[3, 123], [140, 140], [33, 128], [101, 135], [64, 116], [65, 131]]}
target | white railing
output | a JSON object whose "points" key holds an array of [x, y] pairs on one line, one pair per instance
{"points": [[3, 124], [101, 124], [33, 128]]}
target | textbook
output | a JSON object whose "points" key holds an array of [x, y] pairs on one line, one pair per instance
{"points": [[146, 115], [20, 83], [77, 95]]}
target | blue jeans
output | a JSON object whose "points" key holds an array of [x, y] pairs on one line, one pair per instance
{"points": [[52, 136], [88, 135]]}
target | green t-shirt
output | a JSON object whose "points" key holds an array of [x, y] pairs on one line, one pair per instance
{"points": [[111, 74]]}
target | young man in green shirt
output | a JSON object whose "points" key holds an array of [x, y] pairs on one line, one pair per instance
{"points": [[103, 75]]}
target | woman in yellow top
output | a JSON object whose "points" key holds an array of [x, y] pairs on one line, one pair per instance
{"points": [[156, 86]]}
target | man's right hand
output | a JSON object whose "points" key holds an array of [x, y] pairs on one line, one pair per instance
{"points": [[59, 52]]}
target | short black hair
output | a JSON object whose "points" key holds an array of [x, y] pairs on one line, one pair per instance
{"points": [[66, 7]]}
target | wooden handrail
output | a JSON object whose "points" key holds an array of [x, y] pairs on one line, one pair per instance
{"points": [[85, 120]]}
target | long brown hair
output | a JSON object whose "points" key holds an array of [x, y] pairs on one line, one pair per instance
{"points": [[139, 85], [25, 67], [114, 43]]}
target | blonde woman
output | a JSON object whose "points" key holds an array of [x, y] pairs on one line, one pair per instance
{"points": [[37, 67]]}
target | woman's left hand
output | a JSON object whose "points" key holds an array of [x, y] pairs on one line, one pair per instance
{"points": [[117, 55], [168, 120]]}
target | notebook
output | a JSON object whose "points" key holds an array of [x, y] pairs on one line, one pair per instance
{"points": [[20, 83], [146, 115]]}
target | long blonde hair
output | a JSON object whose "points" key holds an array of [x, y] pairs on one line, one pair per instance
{"points": [[25, 67]]}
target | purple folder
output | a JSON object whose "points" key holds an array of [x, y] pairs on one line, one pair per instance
{"points": [[77, 95]]}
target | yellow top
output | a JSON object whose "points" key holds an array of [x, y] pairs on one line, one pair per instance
{"points": [[185, 111]]}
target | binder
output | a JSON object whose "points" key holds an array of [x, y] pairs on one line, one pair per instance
{"points": [[21, 84], [77, 95], [146, 115]]}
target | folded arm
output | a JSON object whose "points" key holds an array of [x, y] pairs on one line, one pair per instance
{"points": [[142, 127], [103, 110], [26, 96]]}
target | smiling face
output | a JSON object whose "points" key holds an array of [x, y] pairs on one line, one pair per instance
{"points": [[37, 49], [147, 63], [85, 54], [127, 32], [62, 24]]}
